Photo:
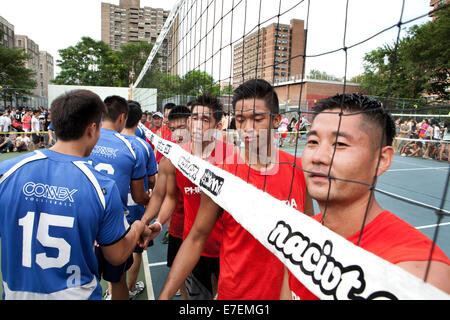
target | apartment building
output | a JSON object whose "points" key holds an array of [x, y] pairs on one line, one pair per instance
{"points": [[128, 22], [6, 33], [273, 53]]}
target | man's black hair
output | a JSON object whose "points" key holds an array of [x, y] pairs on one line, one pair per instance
{"points": [[115, 106], [72, 112], [169, 106], [134, 115], [214, 104], [257, 89], [179, 112], [371, 109]]}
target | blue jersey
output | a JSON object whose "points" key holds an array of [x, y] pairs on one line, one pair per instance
{"points": [[143, 150], [140, 133], [115, 156], [52, 208]]}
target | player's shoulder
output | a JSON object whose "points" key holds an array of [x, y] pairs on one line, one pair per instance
{"points": [[17, 162], [101, 182]]}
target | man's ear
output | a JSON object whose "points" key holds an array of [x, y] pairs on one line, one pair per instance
{"points": [[90, 130], [386, 157], [276, 121]]}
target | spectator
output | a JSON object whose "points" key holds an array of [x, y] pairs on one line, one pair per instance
{"points": [[6, 144], [445, 143], [35, 129], [22, 143], [282, 129], [5, 122], [26, 121]]}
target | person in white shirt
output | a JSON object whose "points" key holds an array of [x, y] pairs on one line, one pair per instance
{"points": [[35, 129]]}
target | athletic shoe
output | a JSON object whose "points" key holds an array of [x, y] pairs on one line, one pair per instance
{"points": [[107, 295], [165, 240], [138, 288]]}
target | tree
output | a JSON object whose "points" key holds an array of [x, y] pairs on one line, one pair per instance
{"points": [[89, 63], [137, 53], [197, 82], [420, 65], [13, 73]]}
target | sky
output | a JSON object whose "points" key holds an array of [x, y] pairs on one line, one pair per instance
{"points": [[57, 24]]}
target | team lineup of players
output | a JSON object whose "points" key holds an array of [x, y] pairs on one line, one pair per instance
{"points": [[82, 210]]}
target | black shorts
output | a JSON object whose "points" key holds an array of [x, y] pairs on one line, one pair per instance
{"points": [[35, 138], [198, 283], [107, 270], [172, 249]]}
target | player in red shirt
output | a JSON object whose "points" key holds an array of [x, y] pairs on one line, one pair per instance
{"points": [[247, 269], [358, 149], [205, 119]]}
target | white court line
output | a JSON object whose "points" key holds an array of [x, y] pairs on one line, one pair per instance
{"points": [[413, 169], [433, 225], [157, 264], [148, 277]]}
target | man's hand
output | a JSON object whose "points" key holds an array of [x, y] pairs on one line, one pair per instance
{"points": [[145, 238], [156, 229]]}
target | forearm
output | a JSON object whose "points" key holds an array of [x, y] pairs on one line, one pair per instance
{"points": [[167, 208], [119, 252], [185, 261], [153, 207]]}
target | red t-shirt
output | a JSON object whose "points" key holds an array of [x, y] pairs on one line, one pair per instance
{"points": [[192, 196], [26, 122], [177, 219], [248, 271], [388, 237]]}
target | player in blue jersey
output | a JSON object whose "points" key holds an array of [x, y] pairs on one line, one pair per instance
{"points": [[136, 211], [114, 156], [54, 205]]}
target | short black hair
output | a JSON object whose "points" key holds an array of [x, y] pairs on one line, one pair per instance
{"points": [[72, 112], [179, 112], [134, 115], [169, 106], [212, 103], [258, 89], [370, 108], [115, 106]]}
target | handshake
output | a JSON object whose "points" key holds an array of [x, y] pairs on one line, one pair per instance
{"points": [[149, 233]]}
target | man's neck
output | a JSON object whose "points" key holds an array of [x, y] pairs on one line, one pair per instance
{"points": [[110, 125], [348, 218], [204, 149], [129, 131], [71, 148]]}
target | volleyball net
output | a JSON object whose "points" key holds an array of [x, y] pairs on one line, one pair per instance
{"points": [[213, 46]]}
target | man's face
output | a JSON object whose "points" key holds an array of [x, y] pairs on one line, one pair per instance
{"points": [[166, 116], [157, 121], [201, 124], [355, 158], [254, 123], [178, 128], [144, 118]]}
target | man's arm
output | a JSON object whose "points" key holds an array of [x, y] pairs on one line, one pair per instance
{"points": [[192, 247], [138, 193], [159, 192], [120, 251]]}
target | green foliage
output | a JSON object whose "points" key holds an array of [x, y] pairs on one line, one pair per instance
{"points": [[89, 63], [13, 73], [420, 65]]}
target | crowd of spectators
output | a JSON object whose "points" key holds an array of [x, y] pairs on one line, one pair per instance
{"points": [[429, 138], [24, 129]]}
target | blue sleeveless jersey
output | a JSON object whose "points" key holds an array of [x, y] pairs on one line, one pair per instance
{"points": [[52, 208]]}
